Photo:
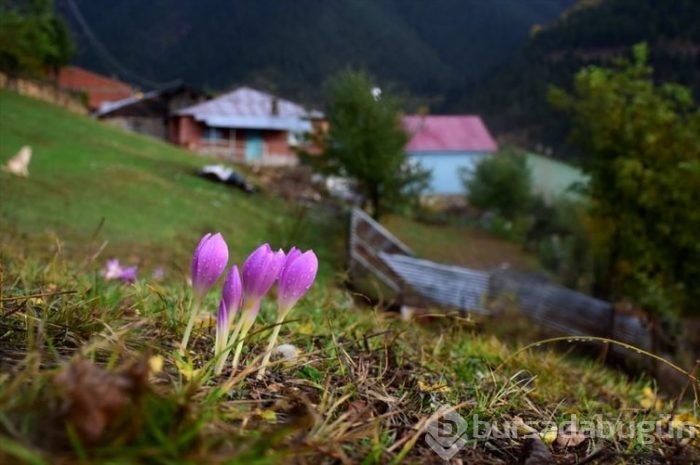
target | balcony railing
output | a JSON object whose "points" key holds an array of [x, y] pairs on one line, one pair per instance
{"points": [[227, 150]]}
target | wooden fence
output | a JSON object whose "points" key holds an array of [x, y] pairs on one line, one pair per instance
{"points": [[417, 282], [367, 241]]}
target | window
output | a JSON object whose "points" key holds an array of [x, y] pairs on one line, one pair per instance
{"points": [[212, 134], [295, 139]]}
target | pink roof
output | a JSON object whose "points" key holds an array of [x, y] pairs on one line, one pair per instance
{"points": [[448, 133]]}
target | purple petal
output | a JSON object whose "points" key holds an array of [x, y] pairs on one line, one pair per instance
{"points": [[296, 279], [222, 319], [233, 291], [292, 255], [208, 262], [260, 271], [128, 274], [112, 270], [195, 256]]}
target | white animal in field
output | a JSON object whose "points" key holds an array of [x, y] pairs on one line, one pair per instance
{"points": [[19, 164]]}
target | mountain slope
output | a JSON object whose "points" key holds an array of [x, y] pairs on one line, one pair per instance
{"points": [[513, 97], [292, 47]]}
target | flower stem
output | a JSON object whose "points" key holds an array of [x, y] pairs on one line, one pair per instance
{"points": [[221, 361], [246, 323], [188, 330], [271, 344]]}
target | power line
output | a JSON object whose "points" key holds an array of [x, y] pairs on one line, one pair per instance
{"points": [[108, 59]]}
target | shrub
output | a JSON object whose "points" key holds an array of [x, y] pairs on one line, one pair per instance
{"points": [[501, 183]]}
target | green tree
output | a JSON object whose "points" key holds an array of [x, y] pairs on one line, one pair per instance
{"points": [[643, 146], [502, 182], [33, 40], [367, 140]]}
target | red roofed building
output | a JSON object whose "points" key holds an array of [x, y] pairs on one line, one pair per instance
{"points": [[445, 143], [98, 88]]}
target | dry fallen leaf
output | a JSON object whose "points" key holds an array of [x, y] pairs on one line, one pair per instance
{"points": [[93, 397]]}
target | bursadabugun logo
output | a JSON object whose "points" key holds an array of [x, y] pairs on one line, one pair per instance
{"points": [[445, 432]]}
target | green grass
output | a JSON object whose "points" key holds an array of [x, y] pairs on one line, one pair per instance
{"points": [[552, 178], [457, 244], [139, 194], [76, 380], [361, 391]]}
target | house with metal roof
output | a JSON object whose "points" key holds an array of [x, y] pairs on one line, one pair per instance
{"points": [[148, 113], [445, 143], [245, 125]]}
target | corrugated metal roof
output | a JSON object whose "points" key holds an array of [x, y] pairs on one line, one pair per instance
{"points": [[448, 133], [444, 284], [108, 107], [250, 108]]}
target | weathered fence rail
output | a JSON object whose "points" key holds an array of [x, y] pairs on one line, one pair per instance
{"points": [[414, 281], [568, 312], [367, 240], [451, 286]]}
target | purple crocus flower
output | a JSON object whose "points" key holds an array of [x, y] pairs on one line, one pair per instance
{"points": [[296, 278], [128, 274], [208, 263], [112, 269], [260, 271]]}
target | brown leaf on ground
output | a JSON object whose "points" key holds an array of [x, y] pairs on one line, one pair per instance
{"points": [[570, 437], [94, 398]]}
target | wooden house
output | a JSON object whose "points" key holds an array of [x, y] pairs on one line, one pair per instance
{"points": [[445, 143], [245, 125]]}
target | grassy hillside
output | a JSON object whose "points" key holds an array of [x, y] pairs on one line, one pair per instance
{"points": [[83, 172], [90, 373], [552, 178]]}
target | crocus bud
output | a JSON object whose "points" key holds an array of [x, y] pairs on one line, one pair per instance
{"points": [[296, 278], [260, 271], [233, 292], [208, 262]]}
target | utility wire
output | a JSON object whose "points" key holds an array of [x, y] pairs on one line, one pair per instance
{"points": [[109, 60]]}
